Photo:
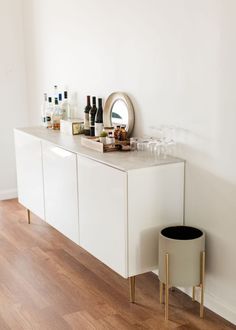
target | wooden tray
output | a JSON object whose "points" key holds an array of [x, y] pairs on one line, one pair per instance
{"points": [[95, 144]]}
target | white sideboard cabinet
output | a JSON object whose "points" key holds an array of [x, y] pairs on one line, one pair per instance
{"points": [[60, 190], [29, 172], [155, 200], [103, 213], [121, 213], [112, 204]]}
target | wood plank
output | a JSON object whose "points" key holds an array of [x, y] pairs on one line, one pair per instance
{"points": [[48, 282]]}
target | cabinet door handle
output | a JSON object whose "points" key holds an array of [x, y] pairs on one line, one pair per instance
{"points": [[61, 152]]}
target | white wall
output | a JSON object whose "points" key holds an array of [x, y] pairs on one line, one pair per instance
{"points": [[13, 110], [176, 59]]}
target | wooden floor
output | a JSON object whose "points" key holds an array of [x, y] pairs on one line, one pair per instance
{"points": [[47, 282]]}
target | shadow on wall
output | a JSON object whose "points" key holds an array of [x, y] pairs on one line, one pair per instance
{"points": [[211, 205]]}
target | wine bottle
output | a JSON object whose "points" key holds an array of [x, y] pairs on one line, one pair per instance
{"points": [[99, 119], [86, 117], [92, 114]]}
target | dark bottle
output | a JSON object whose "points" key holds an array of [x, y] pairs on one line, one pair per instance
{"points": [[99, 119], [92, 115], [86, 117]]}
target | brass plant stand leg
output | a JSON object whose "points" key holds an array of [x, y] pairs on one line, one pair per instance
{"points": [[132, 289], [161, 292], [203, 259], [28, 215], [193, 295], [166, 286]]}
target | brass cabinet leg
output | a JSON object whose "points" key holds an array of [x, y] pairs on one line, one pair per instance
{"points": [[28, 215], [203, 259], [161, 292], [193, 295], [167, 286], [132, 289]]}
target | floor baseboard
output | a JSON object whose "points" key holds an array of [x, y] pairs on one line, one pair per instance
{"points": [[8, 194], [215, 304]]}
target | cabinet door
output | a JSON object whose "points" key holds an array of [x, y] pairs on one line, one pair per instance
{"points": [[155, 197], [103, 213], [29, 172], [60, 188]]}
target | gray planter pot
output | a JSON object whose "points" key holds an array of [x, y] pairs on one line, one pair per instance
{"points": [[184, 246], [181, 260]]}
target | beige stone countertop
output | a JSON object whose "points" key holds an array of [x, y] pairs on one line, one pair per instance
{"points": [[124, 161]]}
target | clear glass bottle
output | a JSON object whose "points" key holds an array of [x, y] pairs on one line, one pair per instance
{"points": [[44, 110], [66, 107], [56, 93], [49, 112], [48, 115], [56, 115]]}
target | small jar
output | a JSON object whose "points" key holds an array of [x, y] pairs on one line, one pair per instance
{"points": [[109, 129], [110, 139]]}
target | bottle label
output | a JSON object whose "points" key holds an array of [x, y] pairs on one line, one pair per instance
{"points": [[86, 121], [91, 120], [98, 128]]}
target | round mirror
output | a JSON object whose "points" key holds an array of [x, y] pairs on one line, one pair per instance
{"points": [[118, 110], [119, 113]]}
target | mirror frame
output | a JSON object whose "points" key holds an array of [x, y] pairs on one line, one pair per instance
{"points": [[116, 96]]}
